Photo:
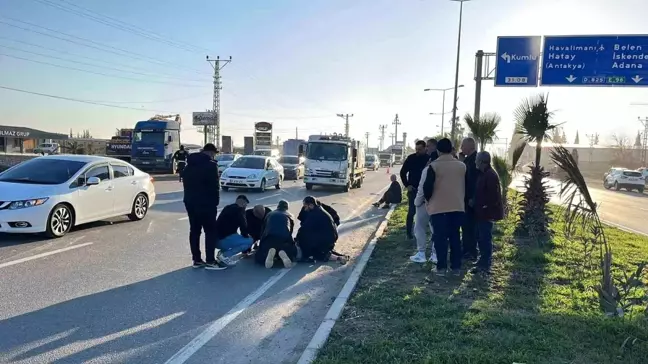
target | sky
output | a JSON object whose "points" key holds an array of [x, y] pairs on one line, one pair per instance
{"points": [[295, 63]]}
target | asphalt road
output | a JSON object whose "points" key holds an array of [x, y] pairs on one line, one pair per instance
{"points": [[627, 210], [124, 292]]}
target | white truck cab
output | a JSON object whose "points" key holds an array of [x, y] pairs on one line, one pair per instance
{"points": [[334, 160]]}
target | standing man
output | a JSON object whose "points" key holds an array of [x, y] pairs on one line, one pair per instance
{"points": [[422, 220], [469, 228], [443, 191], [201, 198], [410, 174], [488, 209], [180, 157]]}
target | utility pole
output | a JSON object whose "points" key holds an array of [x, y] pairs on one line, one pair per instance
{"points": [[456, 83], [392, 136], [396, 123], [277, 141], [367, 137], [296, 133], [644, 122], [592, 141], [346, 123], [382, 135], [218, 65]]}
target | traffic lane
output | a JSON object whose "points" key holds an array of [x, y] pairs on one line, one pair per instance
{"points": [[282, 322], [106, 297], [625, 209]]}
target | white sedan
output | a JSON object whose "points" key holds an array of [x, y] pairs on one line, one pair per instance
{"points": [[253, 172], [51, 194]]}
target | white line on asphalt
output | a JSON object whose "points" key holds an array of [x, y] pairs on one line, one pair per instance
{"points": [[624, 228], [42, 255], [183, 218], [217, 326], [324, 330], [267, 197]]}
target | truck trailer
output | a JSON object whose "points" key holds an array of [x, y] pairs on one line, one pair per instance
{"points": [[334, 160]]}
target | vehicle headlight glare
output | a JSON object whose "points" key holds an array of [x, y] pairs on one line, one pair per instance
{"points": [[252, 176], [15, 205]]}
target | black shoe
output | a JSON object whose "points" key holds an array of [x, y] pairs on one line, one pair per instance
{"points": [[215, 266], [386, 206], [376, 204], [479, 270], [198, 264]]}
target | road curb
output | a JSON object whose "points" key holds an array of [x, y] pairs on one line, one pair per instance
{"points": [[324, 330]]}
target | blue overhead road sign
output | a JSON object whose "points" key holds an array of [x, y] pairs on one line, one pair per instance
{"points": [[595, 60], [517, 61]]}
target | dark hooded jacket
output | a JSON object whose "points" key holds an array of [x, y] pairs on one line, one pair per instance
{"points": [[201, 183], [278, 224], [331, 211], [318, 232], [254, 224]]}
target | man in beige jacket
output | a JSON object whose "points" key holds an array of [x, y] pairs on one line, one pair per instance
{"points": [[444, 190]]}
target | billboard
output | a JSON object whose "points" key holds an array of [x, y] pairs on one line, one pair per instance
{"points": [[248, 145], [226, 144], [202, 118], [263, 135]]}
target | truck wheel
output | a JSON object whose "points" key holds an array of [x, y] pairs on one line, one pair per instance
{"points": [[309, 186], [360, 182], [225, 189], [346, 187]]}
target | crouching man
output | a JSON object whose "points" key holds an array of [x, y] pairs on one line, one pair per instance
{"points": [[277, 238], [318, 234]]}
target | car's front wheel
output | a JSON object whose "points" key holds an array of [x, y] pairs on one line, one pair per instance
{"points": [[140, 208], [60, 221], [616, 186]]}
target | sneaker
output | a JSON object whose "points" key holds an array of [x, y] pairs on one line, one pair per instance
{"points": [[344, 259], [285, 259], [433, 258], [225, 260], [215, 266], [198, 264], [376, 204], [418, 257], [480, 271], [385, 206], [269, 262], [440, 272]]}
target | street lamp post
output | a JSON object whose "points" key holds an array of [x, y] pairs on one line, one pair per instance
{"points": [[456, 87], [443, 104]]}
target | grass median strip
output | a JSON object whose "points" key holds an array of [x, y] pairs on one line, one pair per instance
{"points": [[533, 308]]}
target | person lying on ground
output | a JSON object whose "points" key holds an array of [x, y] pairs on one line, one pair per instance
{"points": [[330, 210], [277, 238], [318, 234], [230, 221], [394, 193]]}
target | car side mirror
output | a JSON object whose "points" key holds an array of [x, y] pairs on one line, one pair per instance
{"points": [[93, 181]]}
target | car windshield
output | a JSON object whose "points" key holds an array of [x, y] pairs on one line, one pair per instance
{"points": [[370, 158], [225, 157], [631, 174], [385, 157], [262, 152], [289, 160], [149, 136], [44, 171], [249, 163], [327, 152], [45, 145]]}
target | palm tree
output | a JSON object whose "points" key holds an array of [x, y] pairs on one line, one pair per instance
{"points": [[533, 122], [483, 128]]}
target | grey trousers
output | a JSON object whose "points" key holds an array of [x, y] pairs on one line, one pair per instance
{"points": [[421, 226]]}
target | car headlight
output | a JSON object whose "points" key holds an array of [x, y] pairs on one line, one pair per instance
{"points": [[224, 175], [252, 176], [343, 172], [309, 171], [15, 205]]}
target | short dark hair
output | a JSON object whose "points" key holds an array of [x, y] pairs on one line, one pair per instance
{"points": [[310, 200], [444, 145], [432, 141], [242, 197], [209, 147], [420, 143]]}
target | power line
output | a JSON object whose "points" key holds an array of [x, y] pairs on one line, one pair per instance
{"points": [[106, 48], [122, 25], [94, 65], [95, 73]]}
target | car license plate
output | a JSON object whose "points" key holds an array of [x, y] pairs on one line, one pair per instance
{"points": [[146, 162]]}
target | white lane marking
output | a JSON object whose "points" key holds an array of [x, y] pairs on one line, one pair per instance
{"points": [[42, 255], [324, 330], [623, 227], [183, 218], [217, 326], [267, 197]]}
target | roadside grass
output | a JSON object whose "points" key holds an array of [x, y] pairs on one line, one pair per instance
{"points": [[538, 306]]}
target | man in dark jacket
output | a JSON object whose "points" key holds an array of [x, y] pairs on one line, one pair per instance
{"points": [[393, 195], [317, 234], [330, 210], [255, 217], [488, 209], [469, 227], [180, 157], [410, 174], [201, 198], [230, 221], [277, 238]]}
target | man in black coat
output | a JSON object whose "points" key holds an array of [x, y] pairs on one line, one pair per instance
{"points": [[330, 210], [255, 218], [469, 227], [277, 238], [410, 174], [201, 198], [317, 234]]}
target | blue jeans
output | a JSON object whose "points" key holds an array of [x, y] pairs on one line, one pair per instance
{"points": [[446, 233], [485, 241], [234, 244]]}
